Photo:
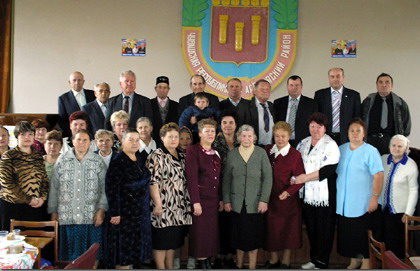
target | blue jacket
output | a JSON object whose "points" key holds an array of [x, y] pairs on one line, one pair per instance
{"points": [[192, 110]]}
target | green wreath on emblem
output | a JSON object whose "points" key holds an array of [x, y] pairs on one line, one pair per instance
{"points": [[286, 13], [193, 12]]}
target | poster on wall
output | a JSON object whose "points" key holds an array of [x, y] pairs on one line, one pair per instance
{"points": [[344, 48], [133, 47]]}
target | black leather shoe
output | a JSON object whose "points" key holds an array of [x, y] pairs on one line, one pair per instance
{"points": [[202, 264], [269, 265], [284, 266], [208, 263], [218, 263]]}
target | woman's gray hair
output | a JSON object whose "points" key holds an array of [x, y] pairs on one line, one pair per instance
{"points": [[403, 139], [141, 119], [129, 131], [102, 133], [245, 128]]}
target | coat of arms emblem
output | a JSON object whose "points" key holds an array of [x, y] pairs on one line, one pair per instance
{"points": [[248, 39]]}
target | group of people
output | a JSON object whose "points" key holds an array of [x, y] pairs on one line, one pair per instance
{"points": [[235, 176]]}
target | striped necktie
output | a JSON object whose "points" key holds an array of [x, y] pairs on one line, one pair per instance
{"points": [[336, 111], [292, 113], [266, 118]]}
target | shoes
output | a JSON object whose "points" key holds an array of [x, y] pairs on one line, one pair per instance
{"points": [[284, 266], [230, 264], [218, 263], [191, 263], [308, 265], [202, 264], [208, 263], [355, 263], [177, 263], [269, 265]]}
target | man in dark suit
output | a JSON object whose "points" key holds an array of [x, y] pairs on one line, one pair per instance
{"points": [[385, 114], [97, 109], [197, 84], [134, 104], [339, 104], [295, 109], [235, 102], [261, 112], [73, 101], [164, 109]]}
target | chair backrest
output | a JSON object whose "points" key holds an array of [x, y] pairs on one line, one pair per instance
{"points": [[376, 252], [392, 261], [38, 229], [410, 225], [86, 260]]}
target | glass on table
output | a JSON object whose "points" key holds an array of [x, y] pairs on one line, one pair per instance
{"points": [[3, 235]]}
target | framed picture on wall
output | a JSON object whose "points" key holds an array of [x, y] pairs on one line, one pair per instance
{"points": [[133, 47], [344, 48]]}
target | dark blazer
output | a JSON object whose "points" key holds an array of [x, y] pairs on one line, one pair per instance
{"points": [[350, 108], [96, 117], [172, 116], [67, 104], [253, 113], [305, 108], [242, 110], [141, 108], [188, 100]]}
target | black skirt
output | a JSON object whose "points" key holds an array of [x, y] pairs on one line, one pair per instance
{"points": [[247, 230], [168, 237], [352, 238], [393, 233], [20, 212]]}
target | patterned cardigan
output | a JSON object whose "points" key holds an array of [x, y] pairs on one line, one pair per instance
{"points": [[77, 188], [22, 176]]}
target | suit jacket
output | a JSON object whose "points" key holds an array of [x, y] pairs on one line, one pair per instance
{"points": [[253, 113], [172, 116], [305, 108], [67, 104], [350, 108], [141, 108], [242, 110], [96, 117], [188, 100]]}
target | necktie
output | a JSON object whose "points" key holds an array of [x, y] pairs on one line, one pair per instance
{"points": [[266, 118], [336, 111], [292, 113], [126, 106], [384, 114], [103, 107]]}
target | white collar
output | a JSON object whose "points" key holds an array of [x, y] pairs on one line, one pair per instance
{"points": [[298, 98], [339, 91], [99, 103], [82, 92], [283, 151]]}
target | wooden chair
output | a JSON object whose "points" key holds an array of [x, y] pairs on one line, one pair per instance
{"points": [[392, 261], [410, 225], [376, 252], [87, 260], [37, 235]]}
